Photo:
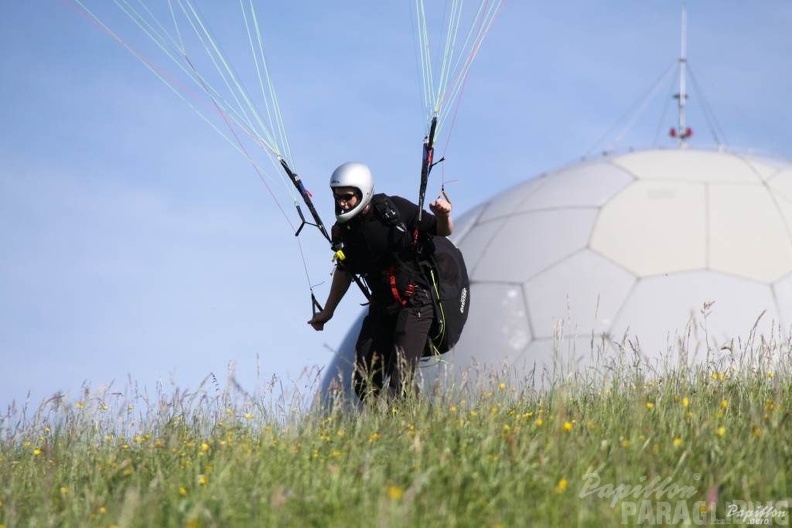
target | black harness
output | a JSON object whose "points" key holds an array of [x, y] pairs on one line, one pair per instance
{"points": [[380, 248], [396, 263]]}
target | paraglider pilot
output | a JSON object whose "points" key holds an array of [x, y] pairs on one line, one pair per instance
{"points": [[378, 235]]}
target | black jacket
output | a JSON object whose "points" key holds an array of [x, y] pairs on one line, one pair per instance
{"points": [[375, 247]]}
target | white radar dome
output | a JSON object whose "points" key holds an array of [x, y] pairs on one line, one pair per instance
{"points": [[625, 251]]}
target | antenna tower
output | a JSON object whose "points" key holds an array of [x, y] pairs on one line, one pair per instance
{"points": [[682, 132]]}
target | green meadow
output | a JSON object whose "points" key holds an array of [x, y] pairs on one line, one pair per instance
{"points": [[707, 445]]}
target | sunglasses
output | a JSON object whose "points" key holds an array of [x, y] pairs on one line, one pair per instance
{"points": [[346, 197]]}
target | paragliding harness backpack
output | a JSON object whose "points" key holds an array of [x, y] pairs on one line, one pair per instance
{"points": [[443, 267]]}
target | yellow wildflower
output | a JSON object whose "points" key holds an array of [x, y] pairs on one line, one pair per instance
{"points": [[395, 492], [562, 485], [567, 426], [677, 441], [539, 422], [685, 402], [650, 405], [721, 431]]}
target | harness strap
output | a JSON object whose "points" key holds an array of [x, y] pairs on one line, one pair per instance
{"points": [[409, 291]]}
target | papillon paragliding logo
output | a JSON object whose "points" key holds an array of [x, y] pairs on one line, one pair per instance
{"points": [[663, 501]]}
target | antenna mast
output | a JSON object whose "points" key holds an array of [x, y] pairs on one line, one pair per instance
{"points": [[682, 131]]}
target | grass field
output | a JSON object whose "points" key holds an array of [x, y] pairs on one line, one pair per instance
{"points": [[704, 446]]}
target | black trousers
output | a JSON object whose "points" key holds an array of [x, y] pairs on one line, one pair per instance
{"points": [[390, 344]]}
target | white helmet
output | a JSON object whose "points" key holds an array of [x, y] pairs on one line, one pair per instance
{"points": [[357, 175]]}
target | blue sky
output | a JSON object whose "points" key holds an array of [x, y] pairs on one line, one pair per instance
{"points": [[138, 245]]}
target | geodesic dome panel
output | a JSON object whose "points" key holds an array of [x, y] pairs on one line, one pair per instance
{"points": [[501, 310], [507, 201], [748, 233], [466, 222], [572, 188], [527, 243], [666, 304], [654, 227], [584, 288], [765, 169], [476, 241], [688, 165], [781, 184]]}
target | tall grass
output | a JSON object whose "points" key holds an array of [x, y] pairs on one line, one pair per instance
{"points": [[678, 446]]}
